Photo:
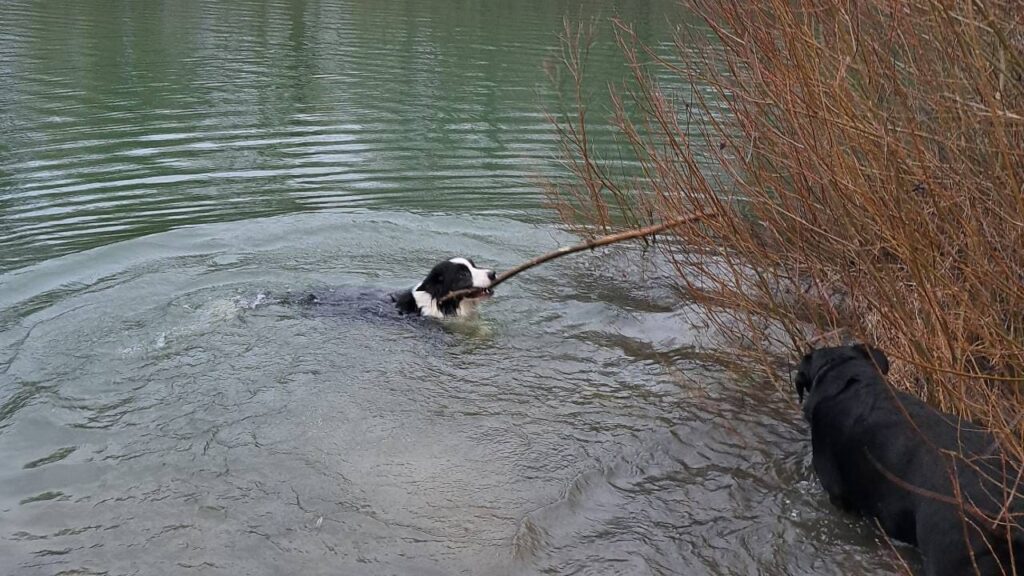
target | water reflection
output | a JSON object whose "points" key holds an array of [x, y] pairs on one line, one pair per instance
{"points": [[120, 119]]}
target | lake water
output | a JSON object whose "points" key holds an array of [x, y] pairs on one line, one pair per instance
{"points": [[167, 167]]}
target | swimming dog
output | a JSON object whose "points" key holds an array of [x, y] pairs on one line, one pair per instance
{"points": [[930, 479], [426, 298]]}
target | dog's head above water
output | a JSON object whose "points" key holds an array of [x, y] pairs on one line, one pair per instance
{"points": [[817, 363], [426, 298]]}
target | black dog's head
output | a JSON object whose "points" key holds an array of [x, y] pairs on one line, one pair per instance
{"points": [[816, 362], [449, 276]]}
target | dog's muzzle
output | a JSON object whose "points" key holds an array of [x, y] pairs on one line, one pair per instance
{"points": [[485, 291], [482, 293]]}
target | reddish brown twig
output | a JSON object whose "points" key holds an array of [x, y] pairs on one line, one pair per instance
{"points": [[588, 245]]}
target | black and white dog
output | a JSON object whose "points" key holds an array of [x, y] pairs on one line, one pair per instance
{"points": [[426, 298], [929, 479]]}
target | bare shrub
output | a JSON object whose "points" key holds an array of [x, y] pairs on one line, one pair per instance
{"points": [[865, 163]]}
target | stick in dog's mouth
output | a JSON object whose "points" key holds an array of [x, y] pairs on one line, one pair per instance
{"points": [[481, 293], [588, 245]]}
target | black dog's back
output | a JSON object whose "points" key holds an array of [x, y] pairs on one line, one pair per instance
{"points": [[891, 456]]}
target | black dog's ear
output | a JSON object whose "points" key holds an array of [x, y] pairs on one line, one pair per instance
{"points": [[802, 382], [801, 385], [875, 356]]}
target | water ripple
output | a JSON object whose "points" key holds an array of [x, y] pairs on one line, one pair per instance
{"points": [[168, 115]]}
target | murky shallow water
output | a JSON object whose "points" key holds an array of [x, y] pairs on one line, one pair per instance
{"points": [[163, 164], [154, 421]]}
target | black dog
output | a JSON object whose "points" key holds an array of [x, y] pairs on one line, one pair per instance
{"points": [[891, 457]]}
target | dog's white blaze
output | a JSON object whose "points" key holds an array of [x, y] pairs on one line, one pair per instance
{"points": [[481, 277]]}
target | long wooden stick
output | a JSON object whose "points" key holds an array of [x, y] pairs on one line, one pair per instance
{"points": [[588, 245]]}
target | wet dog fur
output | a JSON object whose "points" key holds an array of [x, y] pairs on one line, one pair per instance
{"points": [[890, 456]]}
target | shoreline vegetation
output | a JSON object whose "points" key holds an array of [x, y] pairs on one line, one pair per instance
{"points": [[866, 161]]}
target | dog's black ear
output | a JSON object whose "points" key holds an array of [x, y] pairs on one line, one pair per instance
{"points": [[875, 356], [433, 284], [802, 382]]}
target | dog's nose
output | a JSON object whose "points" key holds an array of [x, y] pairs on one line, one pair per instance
{"points": [[491, 274]]}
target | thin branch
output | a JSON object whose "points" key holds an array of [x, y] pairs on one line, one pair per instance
{"points": [[588, 245]]}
